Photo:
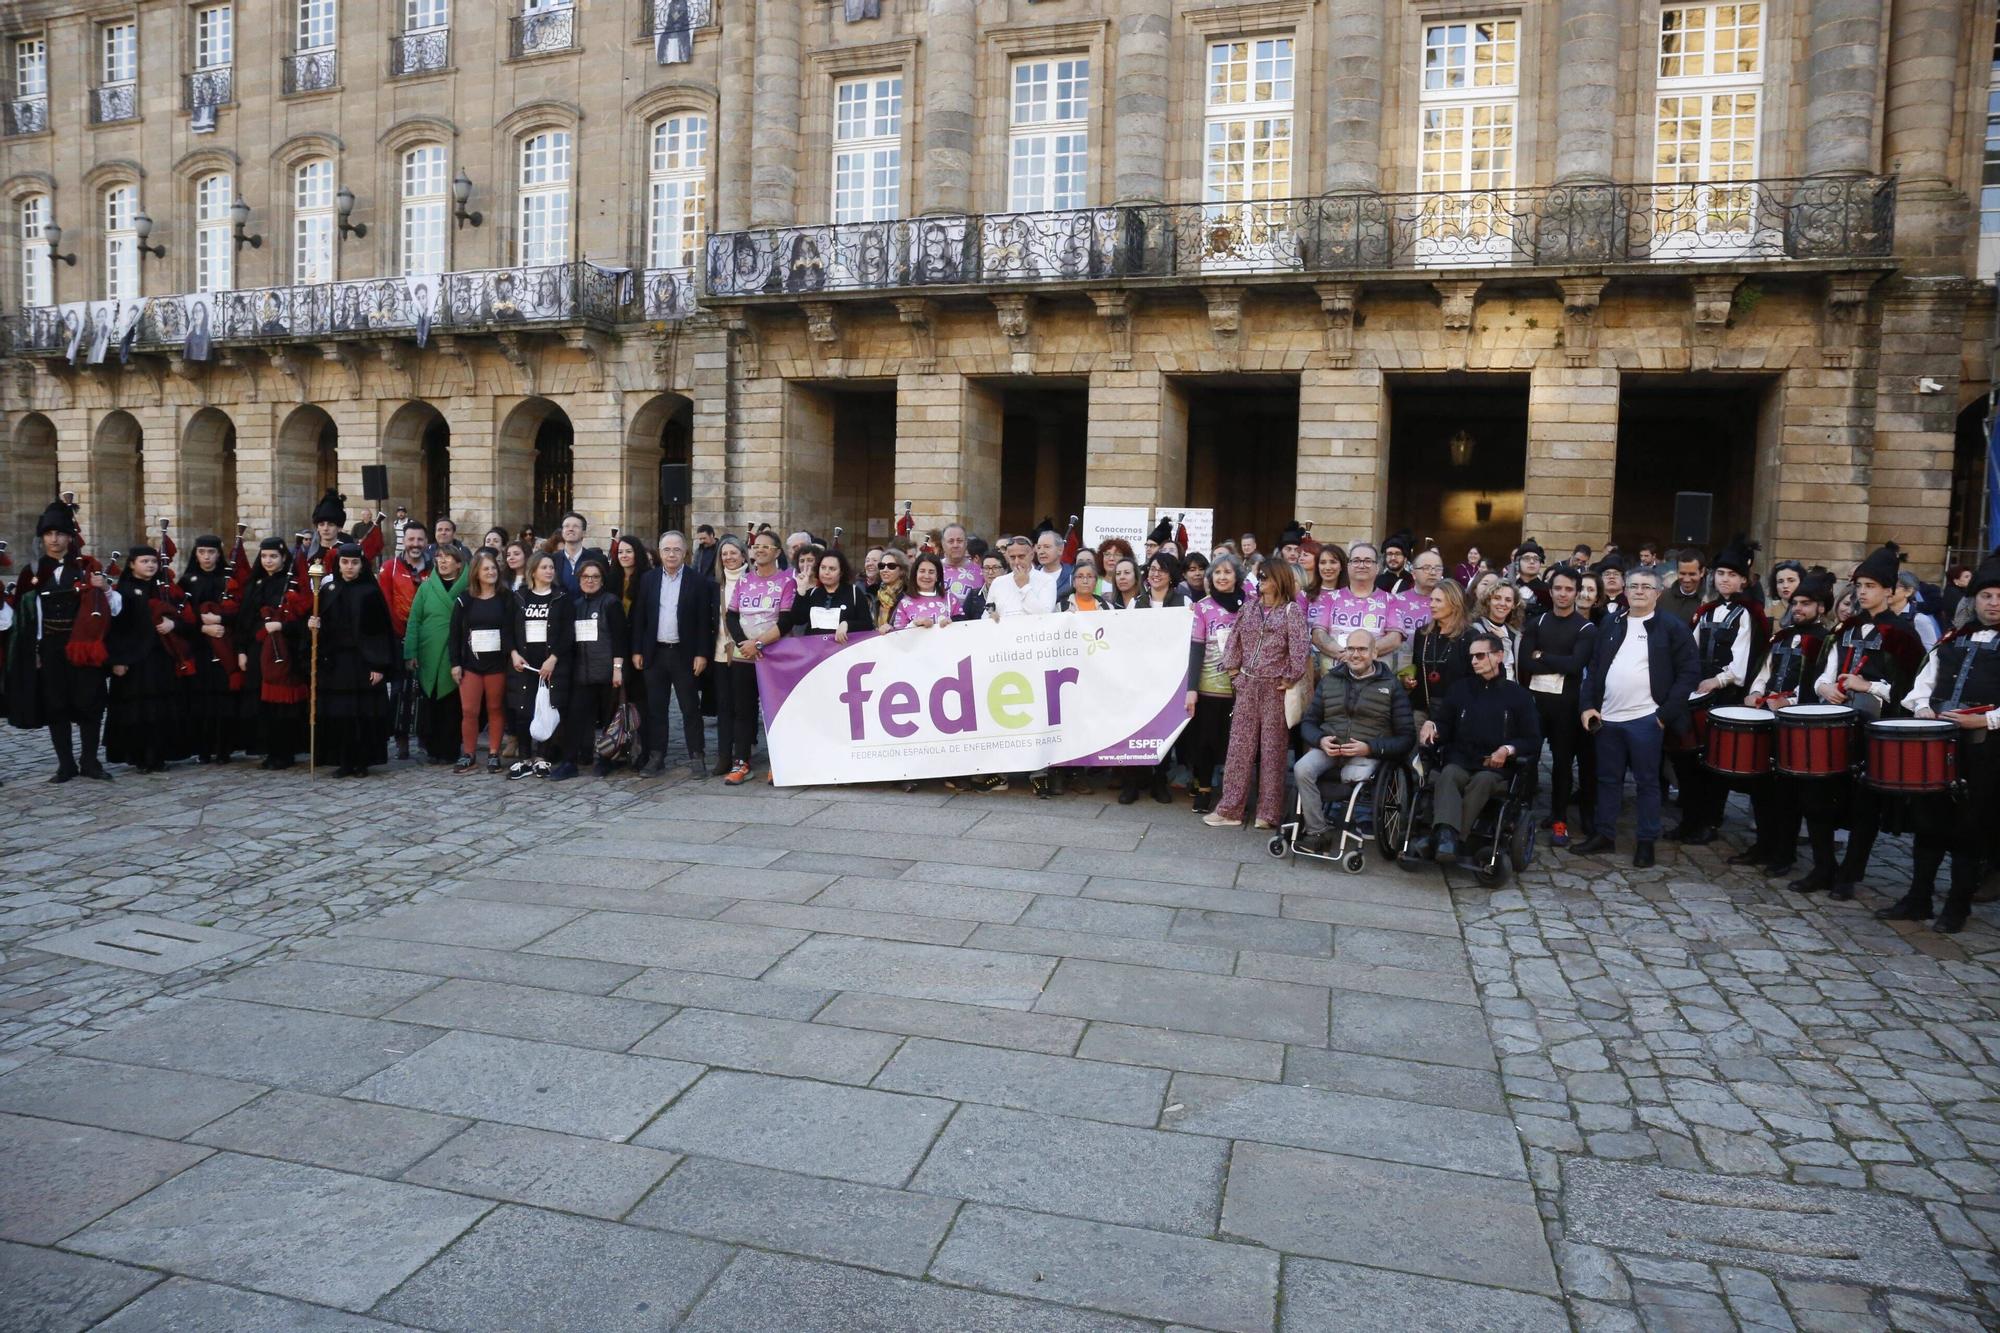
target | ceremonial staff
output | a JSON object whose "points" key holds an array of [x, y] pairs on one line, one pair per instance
{"points": [[315, 573]]}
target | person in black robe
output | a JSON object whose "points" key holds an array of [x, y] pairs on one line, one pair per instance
{"points": [[357, 648], [52, 601], [212, 706], [272, 644], [145, 653]]}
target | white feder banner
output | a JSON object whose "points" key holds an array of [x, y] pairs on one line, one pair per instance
{"points": [[1098, 689]]}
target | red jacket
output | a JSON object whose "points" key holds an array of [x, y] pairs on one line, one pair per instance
{"points": [[399, 588]]}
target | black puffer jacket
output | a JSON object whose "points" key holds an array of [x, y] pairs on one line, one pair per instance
{"points": [[1375, 709]]}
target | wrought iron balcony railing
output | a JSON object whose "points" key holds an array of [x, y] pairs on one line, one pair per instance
{"points": [[206, 89], [27, 114], [490, 300], [311, 71], [670, 16], [542, 32], [114, 102], [1824, 218], [423, 51]]}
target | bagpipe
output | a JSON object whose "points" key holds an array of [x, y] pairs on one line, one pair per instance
{"points": [[167, 601], [87, 646], [235, 576]]}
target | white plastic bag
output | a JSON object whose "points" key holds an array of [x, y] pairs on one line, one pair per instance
{"points": [[546, 718]]}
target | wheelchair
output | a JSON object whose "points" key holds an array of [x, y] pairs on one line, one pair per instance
{"points": [[1502, 838], [1375, 809]]}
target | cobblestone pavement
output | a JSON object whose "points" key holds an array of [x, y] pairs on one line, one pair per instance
{"points": [[647, 1054]]}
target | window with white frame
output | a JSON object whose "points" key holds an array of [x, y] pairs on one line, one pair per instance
{"points": [[868, 148], [37, 269], [121, 243], [1468, 103], [119, 47], [1711, 79], [31, 67], [312, 221], [214, 37], [318, 25], [1989, 177], [1246, 147], [426, 15], [214, 248], [426, 209], [676, 190], [544, 187], [1048, 147]]}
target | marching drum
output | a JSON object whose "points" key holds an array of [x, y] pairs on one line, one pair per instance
{"points": [[1694, 738], [1741, 742], [1912, 756], [1816, 740]]}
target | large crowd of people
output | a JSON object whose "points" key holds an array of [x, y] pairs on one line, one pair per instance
{"points": [[1309, 665]]}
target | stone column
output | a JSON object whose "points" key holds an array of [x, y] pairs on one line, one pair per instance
{"points": [[774, 122], [1139, 100], [1842, 46], [737, 98], [1587, 90], [710, 386], [1343, 477], [1916, 433], [1352, 156], [1136, 445], [950, 84], [1926, 52], [1572, 463], [948, 451]]}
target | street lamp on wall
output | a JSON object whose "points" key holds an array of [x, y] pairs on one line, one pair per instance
{"points": [[239, 217], [142, 226], [53, 235], [461, 194], [345, 199]]}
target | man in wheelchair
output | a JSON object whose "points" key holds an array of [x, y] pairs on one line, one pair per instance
{"points": [[1358, 716], [1485, 722]]}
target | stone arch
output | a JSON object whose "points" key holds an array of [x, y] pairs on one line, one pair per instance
{"points": [[537, 465], [207, 465], [305, 466], [661, 435], [31, 477], [117, 492], [416, 446]]}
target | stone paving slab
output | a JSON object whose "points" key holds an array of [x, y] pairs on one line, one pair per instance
{"points": [[321, 1236], [848, 921], [1383, 1076], [768, 1293], [892, 1230], [1169, 868], [1341, 1122], [951, 874], [700, 946], [1239, 930], [772, 1046], [1097, 916], [532, 1083], [1224, 1006], [519, 1269], [916, 971], [446, 960], [548, 1170], [1364, 978], [183, 1305], [1444, 1223], [707, 990], [1104, 948], [333, 1132], [581, 867], [261, 1043], [1125, 1270], [958, 902], [1409, 1028], [163, 1103], [955, 1022], [1351, 912], [52, 1292], [595, 1021], [1411, 950], [635, 845], [857, 842], [1026, 1080], [1056, 830], [468, 922], [866, 816], [1195, 1052], [1321, 1295], [666, 899], [876, 1138], [1080, 1168], [363, 992], [1113, 889]]}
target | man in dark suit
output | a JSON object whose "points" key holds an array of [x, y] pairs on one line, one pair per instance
{"points": [[673, 633], [1636, 688]]}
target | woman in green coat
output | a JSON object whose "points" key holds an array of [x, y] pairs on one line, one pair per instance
{"points": [[427, 654]]}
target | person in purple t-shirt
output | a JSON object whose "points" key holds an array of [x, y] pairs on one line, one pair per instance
{"points": [[766, 590], [962, 573], [1361, 605]]}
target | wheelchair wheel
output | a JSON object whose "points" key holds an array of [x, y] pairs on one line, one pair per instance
{"points": [[1521, 847], [1354, 863], [1495, 875], [1394, 800], [1278, 846]]}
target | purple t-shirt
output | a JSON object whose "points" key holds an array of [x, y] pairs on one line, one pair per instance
{"points": [[917, 606], [962, 579], [1350, 610], [1213, 624], [757, 598], [1410, 612]]}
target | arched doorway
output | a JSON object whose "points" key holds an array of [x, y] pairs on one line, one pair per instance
{"points": [[537, 465], [117, 492], [659, 450], [31, 481], [416, 445], [208, 475], [1970, 533], [305, 468]]}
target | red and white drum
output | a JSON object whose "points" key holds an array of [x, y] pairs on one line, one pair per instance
{"points": [[1817, 740], [1912, 756], [1742, 742]]}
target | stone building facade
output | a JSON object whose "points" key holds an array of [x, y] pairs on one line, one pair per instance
{"points": [[1476, 270]]}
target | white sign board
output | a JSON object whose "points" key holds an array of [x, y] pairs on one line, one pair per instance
{"points": [[1103, 522], [1200, 525]]}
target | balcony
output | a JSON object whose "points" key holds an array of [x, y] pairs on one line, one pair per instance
{"points": [[673, 16], [543, 32], [1559, 226], [311, 71], [206, 89], [27, 114], [423, 51], [114, 102], [477, 301]]}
